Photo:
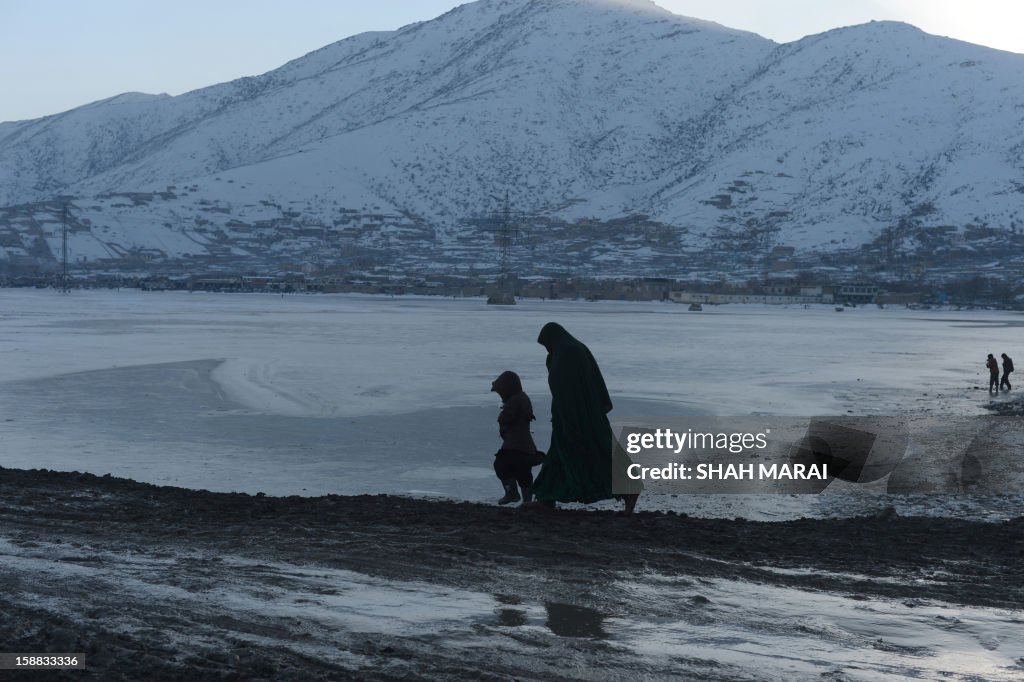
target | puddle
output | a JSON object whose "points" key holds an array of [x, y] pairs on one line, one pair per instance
{"points": [[671, 623], [563, 620], [776, 632], [566, 620], [779, 631], [512, 618]]}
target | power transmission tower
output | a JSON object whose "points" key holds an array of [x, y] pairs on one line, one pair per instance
{"points": [[64, 249], [505, 235]]}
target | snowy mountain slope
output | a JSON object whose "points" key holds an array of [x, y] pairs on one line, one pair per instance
{"points": [[577, 109], [867, 126]]}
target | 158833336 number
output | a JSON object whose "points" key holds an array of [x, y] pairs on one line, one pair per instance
{"points": [[19, 661]]}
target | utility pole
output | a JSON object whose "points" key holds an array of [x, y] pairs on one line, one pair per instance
{"points": [[64, 249]]}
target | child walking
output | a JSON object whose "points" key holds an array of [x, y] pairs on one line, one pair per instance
{"points": [[514, 462]]}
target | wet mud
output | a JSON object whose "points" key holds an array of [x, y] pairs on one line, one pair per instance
{"points": [[163, 583]]}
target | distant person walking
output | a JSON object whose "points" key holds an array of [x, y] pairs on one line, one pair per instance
{"points": [[514, 462], [1007, 369], [993, 374], [578, 465]]}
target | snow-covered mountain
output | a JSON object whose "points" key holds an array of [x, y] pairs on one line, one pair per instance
{"points": [[624, 137]]}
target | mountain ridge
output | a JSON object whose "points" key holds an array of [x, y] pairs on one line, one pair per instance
{"points": [[579, 110]]}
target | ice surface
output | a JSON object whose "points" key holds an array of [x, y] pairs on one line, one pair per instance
{"points": [[349, 394]]}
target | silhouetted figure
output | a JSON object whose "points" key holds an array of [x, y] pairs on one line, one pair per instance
{"points": [[1007, 368], [578, 466], [993, 374], [514, 462]]}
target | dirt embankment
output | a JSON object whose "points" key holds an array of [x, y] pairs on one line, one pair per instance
{"points": [[66, 533]]}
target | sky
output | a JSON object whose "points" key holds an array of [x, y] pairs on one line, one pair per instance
{"points": [[59, 54]]}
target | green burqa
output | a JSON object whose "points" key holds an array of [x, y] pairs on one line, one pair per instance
{"points": [[578, 466]]}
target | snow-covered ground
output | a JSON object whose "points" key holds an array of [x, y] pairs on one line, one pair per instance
{"points": [[350, 394]]}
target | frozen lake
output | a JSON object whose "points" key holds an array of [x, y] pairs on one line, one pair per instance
{"points": [[316, 394]]}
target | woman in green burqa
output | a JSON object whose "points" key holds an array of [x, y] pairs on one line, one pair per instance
{"points": [[578, 466]]}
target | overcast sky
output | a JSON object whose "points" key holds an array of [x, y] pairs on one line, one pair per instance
{"points": [[58, 54]]}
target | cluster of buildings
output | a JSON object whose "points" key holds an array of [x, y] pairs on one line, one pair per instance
{"points": [[639, 289], [847, 294]]}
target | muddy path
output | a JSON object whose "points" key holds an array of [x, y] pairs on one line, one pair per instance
{"points": [[156, 582]]}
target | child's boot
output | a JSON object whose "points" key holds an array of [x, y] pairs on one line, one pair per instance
{"points": [[511, 492]]}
